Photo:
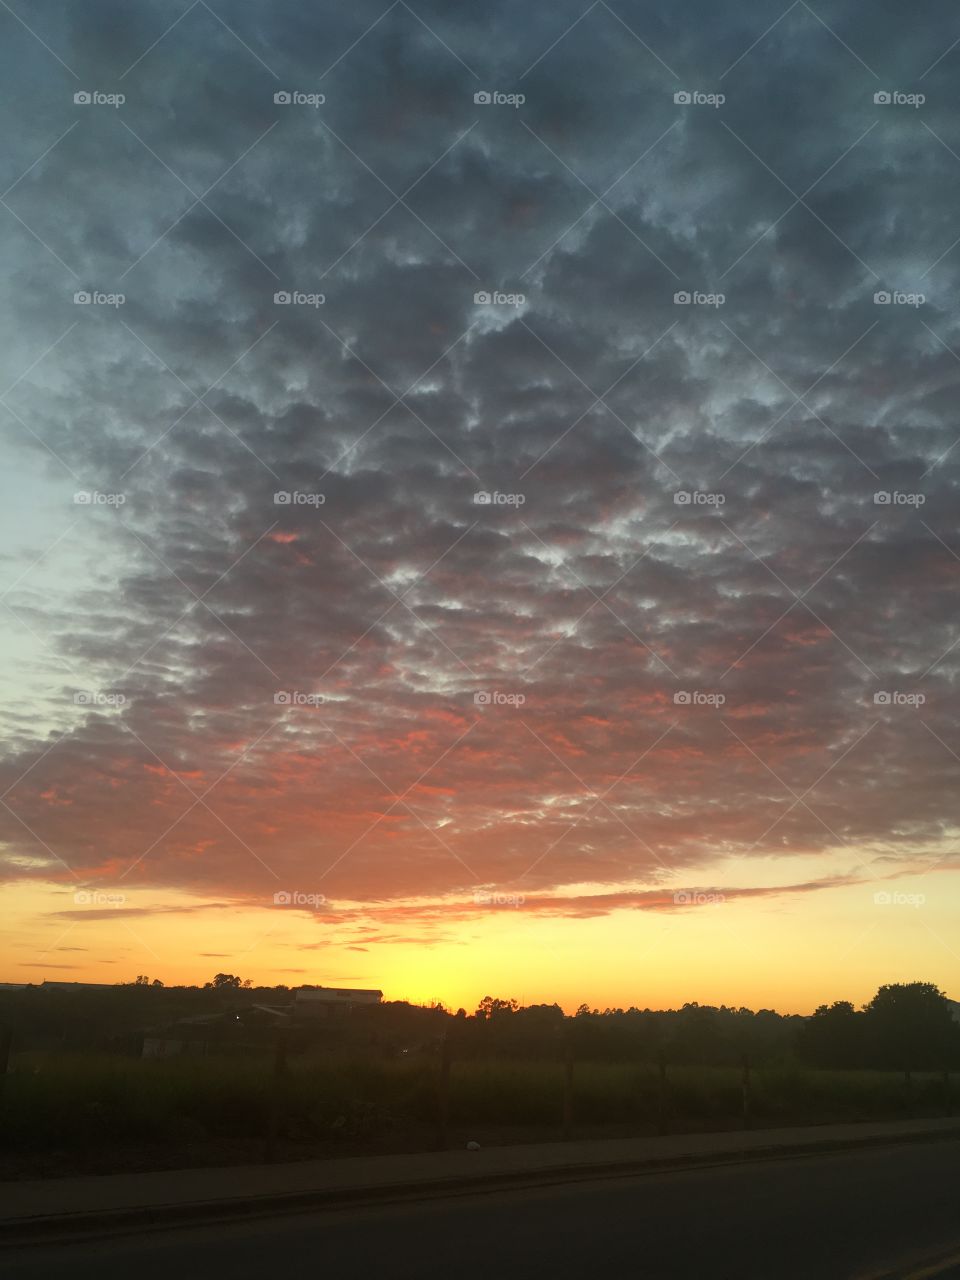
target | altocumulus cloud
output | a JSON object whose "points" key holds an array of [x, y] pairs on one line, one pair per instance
{"points": [[629, 407]]}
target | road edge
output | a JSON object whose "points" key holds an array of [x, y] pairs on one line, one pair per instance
{"points": [[39, 1229]]}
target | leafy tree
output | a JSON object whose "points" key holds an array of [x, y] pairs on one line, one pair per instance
{"points": [[834, 1037], [910, 1025], [490, 1008], [225, 981]]}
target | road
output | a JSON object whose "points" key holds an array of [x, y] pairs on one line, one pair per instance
{"points": [[859, 1215]]}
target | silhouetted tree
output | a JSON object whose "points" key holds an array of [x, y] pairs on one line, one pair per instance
{"points": [[834, 1037], [910, 1025], [223, 981], [490, 1008]]}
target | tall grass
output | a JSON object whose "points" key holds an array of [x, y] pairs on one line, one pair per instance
{"points": [[62, 1102]]}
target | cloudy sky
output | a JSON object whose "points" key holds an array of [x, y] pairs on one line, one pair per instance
{"points": [[480, 496]]}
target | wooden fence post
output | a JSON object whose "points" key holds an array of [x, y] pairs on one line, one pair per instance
{"points": [[6, 1038], [443, 1094], [567, 1087], [275, 1100], [747, 1099], [662, 1093]]}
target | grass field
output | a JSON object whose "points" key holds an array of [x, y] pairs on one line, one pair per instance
{"points": [[96, 1111]]}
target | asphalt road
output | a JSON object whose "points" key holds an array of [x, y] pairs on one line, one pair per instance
{"points": [[890, 1212]]}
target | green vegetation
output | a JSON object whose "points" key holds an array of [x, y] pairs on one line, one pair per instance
{"points": [[69, 1102], [79, 1095]]}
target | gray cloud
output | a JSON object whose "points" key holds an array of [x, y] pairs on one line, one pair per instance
{"points": [[397, 599]]}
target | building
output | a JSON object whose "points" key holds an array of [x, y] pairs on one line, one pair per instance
{"points": [[47, 985], [235, 1030], [322, 1002]]}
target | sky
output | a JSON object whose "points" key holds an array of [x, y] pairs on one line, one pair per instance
{"points": [[479, 497]]}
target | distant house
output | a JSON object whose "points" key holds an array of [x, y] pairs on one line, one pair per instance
{"points": [[46, 985], [322, 1002], [237, 1029]]}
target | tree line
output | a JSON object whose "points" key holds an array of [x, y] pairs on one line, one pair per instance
{"points": [[905, 1026]]}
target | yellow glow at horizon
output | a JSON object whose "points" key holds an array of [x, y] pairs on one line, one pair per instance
{"points": [[789, 953]]}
